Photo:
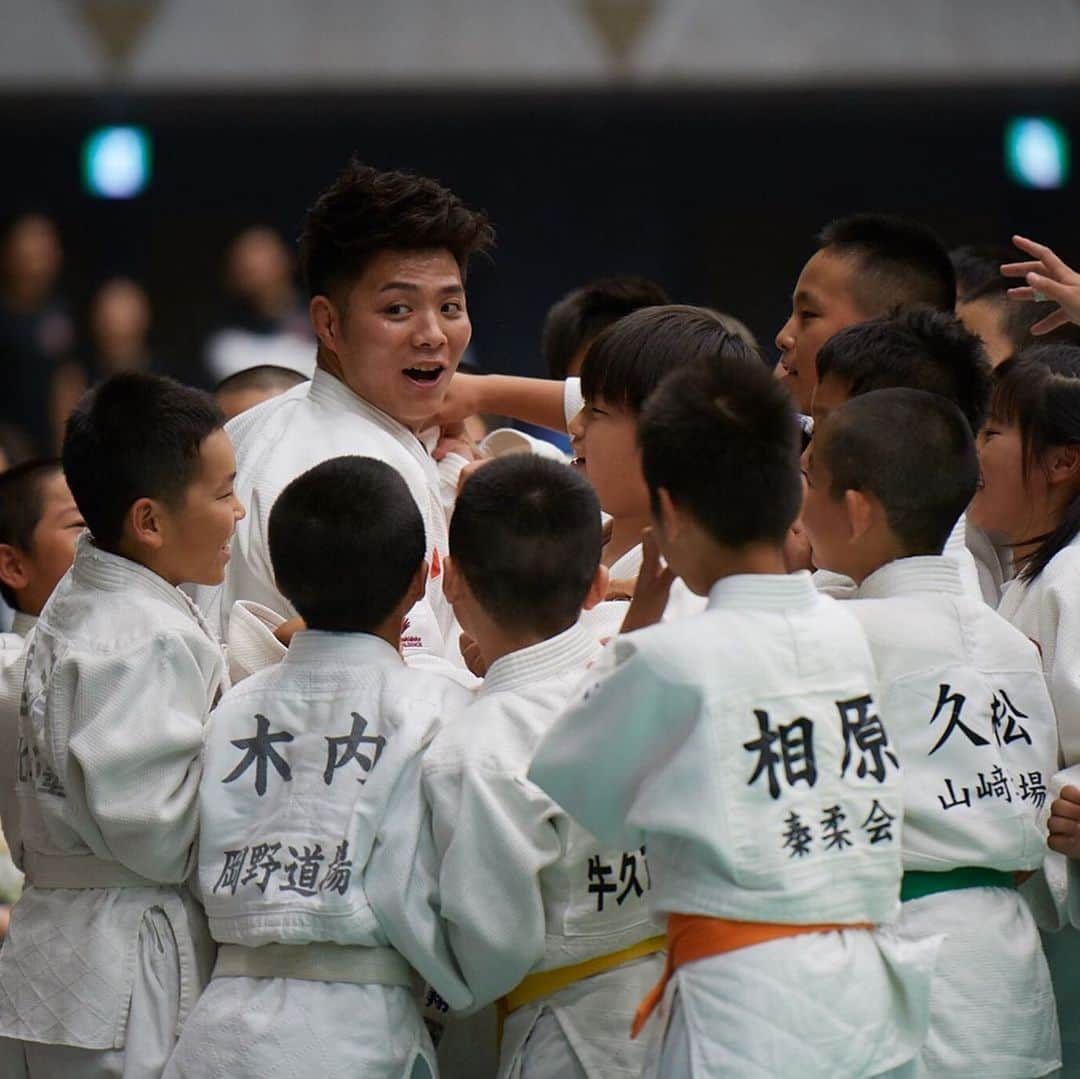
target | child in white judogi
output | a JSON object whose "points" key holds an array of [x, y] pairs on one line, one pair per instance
{"points": [[967, 710], [541, 916], [921, 349], [39, 524], [1029, 457], [315, 853], [107, 950], [722, 744], [622, 367]]}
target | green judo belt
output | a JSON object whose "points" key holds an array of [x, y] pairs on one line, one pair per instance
{"points": [[917, 884]]}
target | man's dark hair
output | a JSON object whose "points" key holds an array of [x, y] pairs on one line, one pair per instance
{"points": [[899, 263], [626, 363], [526, 536], [346, 539], [913, 451], [136, 435], [21, 505], [721, 436], [264, 377], [366, 211], [920, 349], [581, 314]]}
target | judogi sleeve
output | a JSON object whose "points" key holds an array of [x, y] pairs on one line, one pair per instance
{"points": [[631, 719], [495, 836], [137, 754], [401, 882], [1059, 639]]}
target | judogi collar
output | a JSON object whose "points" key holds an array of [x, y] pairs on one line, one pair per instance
{"points": [[571, 648], [317, 648], [114, 573], [328, 389], [906, 576], [764, 591], [22, 624]]}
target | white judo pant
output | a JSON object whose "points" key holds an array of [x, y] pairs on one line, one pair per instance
{"points": [[151, 1027], [280, 1028]]}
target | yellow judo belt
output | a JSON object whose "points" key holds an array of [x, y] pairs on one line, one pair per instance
{"points": [[546, 982]]}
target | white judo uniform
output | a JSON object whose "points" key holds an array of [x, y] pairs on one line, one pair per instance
{"points": [[1047, 610], [956, 550], [725, 745], [965, 702], [605, 620], [107, 950], [13, 647], [525, 889], [282, 438], [316, 852]]}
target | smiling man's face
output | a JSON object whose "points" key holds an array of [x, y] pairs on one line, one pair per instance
{"points": [[401, 333]]}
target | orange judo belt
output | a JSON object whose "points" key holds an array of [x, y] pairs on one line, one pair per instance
{"points": [[696, 936]]}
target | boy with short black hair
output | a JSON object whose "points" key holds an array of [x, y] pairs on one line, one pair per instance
{"points": [[250, 387], [107, 949], [969, 717], [541, 916], [866, 266], [315, 851], [919, 349], [724, 744], [39, 523]]}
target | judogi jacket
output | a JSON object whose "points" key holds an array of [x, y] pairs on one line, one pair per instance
{"points": [[964, 698], [963, 695], [13, 648], [524, 888], [120, 678], [284, 437], [745, 750], [314, 827]]}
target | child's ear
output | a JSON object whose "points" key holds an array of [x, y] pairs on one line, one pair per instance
{"points": [[14, 571], [598, 588], [860, 510], [451, 580], [418, 584], [1063, 464], [666, 515], [324, 321], [145, 522]]}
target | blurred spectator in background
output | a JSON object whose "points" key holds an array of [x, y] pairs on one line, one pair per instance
{"points": [[572, 322], [249, 388], [39, 381], [267, 321], [120, 320]]}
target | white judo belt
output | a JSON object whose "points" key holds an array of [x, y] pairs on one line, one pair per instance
{"points": [[318, 961], [80, 871]]}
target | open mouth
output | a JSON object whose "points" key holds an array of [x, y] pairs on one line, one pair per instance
{"points": [[424, 373], [578, 462]]}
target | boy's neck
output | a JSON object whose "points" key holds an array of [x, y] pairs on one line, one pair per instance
{"points": [[760, 559], [625, 536], [494, 643]]}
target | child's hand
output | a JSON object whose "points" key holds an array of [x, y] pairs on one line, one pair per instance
{"points": [[453, 438], [1048, 276], [1065, 823], [287, 630], [653, 587], [462, 400]]}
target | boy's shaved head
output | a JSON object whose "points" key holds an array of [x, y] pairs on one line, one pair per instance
{"points": [[913, 451], [920, 349], [526, 535], [900, 263]]}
